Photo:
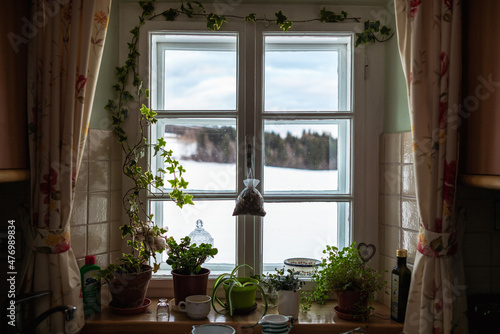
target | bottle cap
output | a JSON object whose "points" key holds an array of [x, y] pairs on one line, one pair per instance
{"points": [[89, 259], [401, 253]]}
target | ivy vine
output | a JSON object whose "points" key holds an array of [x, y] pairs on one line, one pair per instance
{"points": [[373, 31]]}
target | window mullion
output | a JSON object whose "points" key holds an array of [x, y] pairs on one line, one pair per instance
{"points": [[249, 248]]}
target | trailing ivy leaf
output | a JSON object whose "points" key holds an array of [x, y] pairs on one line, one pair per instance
{"points": [[214, 21], [161, 142], [374, 26], [280, 18], [385, 31], [189, 11], [135, 32], [126, 96], [200, 6], [137, 81], [281, 21], [170, 14], [183, 183], [329, 16], [287, 25], [111, 105], [147, 7], [251, 17]]}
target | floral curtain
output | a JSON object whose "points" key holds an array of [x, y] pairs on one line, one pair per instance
{"points": [[64, 56], [429, 37]]}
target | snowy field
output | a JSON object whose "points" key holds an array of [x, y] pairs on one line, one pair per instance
{"points": [[289, 229]]}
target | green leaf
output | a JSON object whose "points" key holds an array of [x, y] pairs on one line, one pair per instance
{"points": [[214, 21], [135, 32], [286, 25], [280, 18], [144, 110], [183, 184], [251, 17], [170, 14], [385, 31]]}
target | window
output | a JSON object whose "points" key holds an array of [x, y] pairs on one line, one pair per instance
{"points": [[299, 98], [293, 104]]}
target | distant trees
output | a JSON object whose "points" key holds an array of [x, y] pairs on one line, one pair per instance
{"points": [[309, 151]]}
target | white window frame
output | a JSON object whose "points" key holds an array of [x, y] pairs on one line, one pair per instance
{"points": [[366, 125]]}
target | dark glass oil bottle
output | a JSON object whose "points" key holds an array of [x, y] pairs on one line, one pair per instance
{"points": [[400, 287]]}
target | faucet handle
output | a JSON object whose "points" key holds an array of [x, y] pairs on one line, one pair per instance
{"points": [[69, 312]]}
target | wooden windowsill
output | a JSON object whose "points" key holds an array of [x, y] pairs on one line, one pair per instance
{"points": [[320, 319]]}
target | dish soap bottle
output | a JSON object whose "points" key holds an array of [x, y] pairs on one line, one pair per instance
{"points": [[91, 287], [400, 287]]}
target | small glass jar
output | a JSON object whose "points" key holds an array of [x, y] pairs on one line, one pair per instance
{"points": [[272, 296], [162, 310]]}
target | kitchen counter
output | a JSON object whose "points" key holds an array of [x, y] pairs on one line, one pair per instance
{"points": [[320, 319]]}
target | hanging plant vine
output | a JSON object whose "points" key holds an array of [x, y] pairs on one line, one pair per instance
{"points": [[373, 31]]}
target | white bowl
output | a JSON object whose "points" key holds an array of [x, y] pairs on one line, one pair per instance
{"points": [[303, 265], [213, 329]]}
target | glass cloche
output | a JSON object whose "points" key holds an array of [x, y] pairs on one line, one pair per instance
{"points": [[200, 236]]}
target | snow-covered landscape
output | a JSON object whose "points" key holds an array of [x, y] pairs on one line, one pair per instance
{"points": [[289, 229]]}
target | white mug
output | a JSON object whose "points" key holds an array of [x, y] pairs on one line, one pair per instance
{"points": [[196, 306]]}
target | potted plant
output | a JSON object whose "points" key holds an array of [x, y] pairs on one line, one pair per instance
{"points": [[239, 293], [287, 285], [186, 259], [346, 274], [129, 277]]}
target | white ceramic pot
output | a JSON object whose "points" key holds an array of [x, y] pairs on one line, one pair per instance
{"points": [[213, 329], [289, 303]]}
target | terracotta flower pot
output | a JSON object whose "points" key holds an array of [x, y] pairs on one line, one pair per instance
{"points": [[188, 285], [129, 290], [352, 302]]}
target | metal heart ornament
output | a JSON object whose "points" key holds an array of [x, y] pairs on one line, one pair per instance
{"points": [[366, 252]]}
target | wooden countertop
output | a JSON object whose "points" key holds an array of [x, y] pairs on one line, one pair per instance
{"points": [[320, 319]]}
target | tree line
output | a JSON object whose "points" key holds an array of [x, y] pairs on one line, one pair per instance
{"points": [[311, 150]]}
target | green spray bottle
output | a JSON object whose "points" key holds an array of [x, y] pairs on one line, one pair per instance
{"points": [[91, 287]]}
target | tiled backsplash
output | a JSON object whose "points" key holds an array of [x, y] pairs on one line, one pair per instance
{"points": [[399, 219], [97, 208], [398, 215], [481, 239]]}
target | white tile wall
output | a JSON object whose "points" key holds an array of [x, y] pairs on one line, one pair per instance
{"points": [[481, 239], [398, 215], [97, 209]]}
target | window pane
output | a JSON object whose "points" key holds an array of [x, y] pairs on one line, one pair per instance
{"points": [[222, 227], [206, 148], [199, 72], [302, 155], [298, 230], [302, 73]]}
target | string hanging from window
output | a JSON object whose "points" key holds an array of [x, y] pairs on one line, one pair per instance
{"points": [[250, 201]]}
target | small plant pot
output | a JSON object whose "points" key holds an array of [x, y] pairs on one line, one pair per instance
{"points": [[289, 303], [353, 302], [242, 298], [188, 285], [128, 290]]}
